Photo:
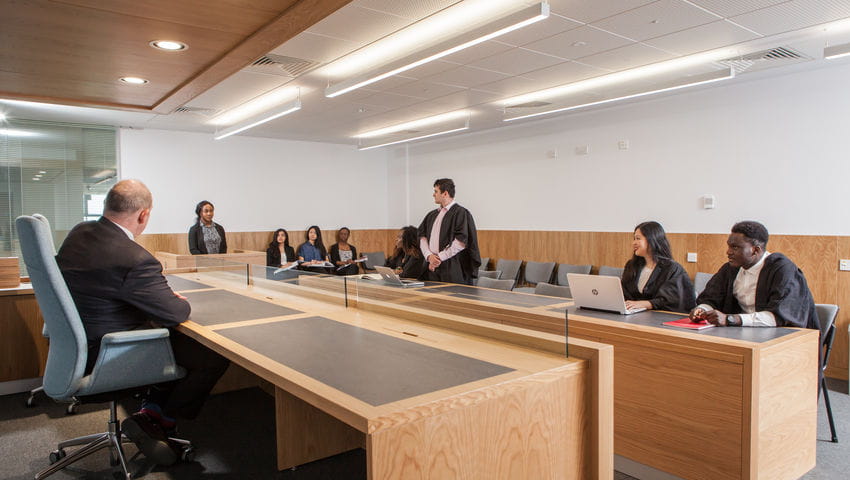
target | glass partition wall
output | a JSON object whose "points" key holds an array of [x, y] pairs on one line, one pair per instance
{"points": [[61, 171]]}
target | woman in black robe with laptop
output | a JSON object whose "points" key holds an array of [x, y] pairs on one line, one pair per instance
{"points": [[651, 278]]}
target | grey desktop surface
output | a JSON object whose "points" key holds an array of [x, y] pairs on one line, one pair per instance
{"points": [[179, 284], [212, 307], [497, 296], [365, 364], [656, 319]]}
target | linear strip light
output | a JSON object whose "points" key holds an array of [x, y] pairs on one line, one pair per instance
{"points": [[836, 51], [720, 75], [499, 27], [445, 132], [422, 122], [259, 119]]}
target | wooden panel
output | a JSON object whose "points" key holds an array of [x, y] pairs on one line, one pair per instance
{"points": [[10, 272], [838, 363], [529, 428], [23, 349]]}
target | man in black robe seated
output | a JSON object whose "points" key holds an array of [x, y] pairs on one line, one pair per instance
{"points": [[756, 288], [448, 239]]}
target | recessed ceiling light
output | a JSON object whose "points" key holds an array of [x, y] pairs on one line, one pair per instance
{"points": [[36, 178], [42, 172], [579, 44], [168, 45], [133, 80]]}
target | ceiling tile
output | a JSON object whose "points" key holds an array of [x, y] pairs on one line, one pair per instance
{"points": [[390, 100], [623, 58], [411, 10], [705, 37], [656, 19], [465, 76], [793, 15], [431, 68], [585, 11], [730, 8], [357, 24], [510, 86], [237, 89], [517, 61], [423, 89], [563, 73], [319, 48], [477, 52], [551, 26], [579, 42]]}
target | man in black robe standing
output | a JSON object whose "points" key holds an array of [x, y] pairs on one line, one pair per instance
{"points": [[756, 288], [448, 239]]}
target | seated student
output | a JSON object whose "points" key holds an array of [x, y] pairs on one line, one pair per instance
{"points": [[343, 254], [206, 236], [395, 260], [756, 288], [412, 264], [280, 254], [651, 278], [312, 251]]}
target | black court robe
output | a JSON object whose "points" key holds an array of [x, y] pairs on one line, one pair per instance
{"points": [[781, 289], [457, 224], [668, 288]]}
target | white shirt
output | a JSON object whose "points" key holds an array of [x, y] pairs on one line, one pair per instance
{"points": [[744, 289], [126, 231], [432, 247]]}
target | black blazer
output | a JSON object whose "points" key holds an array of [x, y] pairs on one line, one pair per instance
{"points": [[668, 288], [412, 266], [273, 255], [116, 284], [196, 239], [352, 269]]}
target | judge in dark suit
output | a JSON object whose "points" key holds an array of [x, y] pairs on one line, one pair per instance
{"points": [[448, 239], [651, 278], [117, 285], [756, 288]]}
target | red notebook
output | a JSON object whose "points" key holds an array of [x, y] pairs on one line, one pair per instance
{"points": [[687, 323]]}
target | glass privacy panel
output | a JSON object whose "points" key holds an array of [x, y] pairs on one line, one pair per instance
{"points": [[61, 171]]}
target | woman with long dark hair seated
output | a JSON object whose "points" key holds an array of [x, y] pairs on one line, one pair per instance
{"points": [[312, 252], [343, 254], [651, 278], [206, 236], [280, 254], [412, 264]]}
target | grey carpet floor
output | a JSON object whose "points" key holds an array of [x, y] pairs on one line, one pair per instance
{"points": [[234, 438]]}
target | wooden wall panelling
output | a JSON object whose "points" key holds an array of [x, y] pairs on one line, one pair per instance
{"points": [[838, 360], [681, 244], [612, 249]]}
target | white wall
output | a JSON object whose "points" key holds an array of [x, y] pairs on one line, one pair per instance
{"points": [[256, 184], [771, 149]]}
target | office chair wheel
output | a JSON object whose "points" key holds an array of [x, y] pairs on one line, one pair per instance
{"points": [[188, 454], [31, 401], [121, 475], [72, 409], [57, 455]]}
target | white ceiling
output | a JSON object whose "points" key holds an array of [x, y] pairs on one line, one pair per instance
{"points": [[580, 40]]}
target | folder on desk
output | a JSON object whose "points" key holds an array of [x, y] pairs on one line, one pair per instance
{"points": [[687, 323]]}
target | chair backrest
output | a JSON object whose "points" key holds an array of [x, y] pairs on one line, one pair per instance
{"points": [[700, 281], [66, 358], [826, 315], [611, 271], [565, 268], [536, 272], [489, 274], [509, 268], [374, 259], [544, 288], [497, 284], [485, 262]]}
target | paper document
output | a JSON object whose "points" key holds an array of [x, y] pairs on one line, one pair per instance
{"points": [[283, 269]]}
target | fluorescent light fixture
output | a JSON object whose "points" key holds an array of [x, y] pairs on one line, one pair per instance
{"points": [[36, 178], [2, 116], [720, 75], [499, 27], [168, 45], [258, 104], [836, 51], [133, 80], [259, 119], [445, 132], [422, 122], [11, 132]]}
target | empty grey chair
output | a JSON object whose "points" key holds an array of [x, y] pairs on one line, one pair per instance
{"points": [[700, 281], [497, 284], [544, 288], [565, 268], [145, 353], [509, 269], [826, 316], [611, 271], [487, 274], [374, 259], [485, 263], [536, 272]]}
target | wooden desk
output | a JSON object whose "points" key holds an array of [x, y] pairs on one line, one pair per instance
{"points": [[716, 404], [529, 413], [171, 261], [23, 349]]}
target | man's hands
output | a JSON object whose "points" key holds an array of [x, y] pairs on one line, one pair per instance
{"points": [[433, 262], [714, 317]]}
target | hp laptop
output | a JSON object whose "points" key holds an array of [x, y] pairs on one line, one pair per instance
{"points": [[390, 277], [599, 292]]}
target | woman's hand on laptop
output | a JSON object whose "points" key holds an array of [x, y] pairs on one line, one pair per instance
{"points": [[634, 304]]}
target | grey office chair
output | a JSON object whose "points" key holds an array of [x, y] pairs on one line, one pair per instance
{"points": [[826, 315], [127, 360], [487, 274], [497, 284], [700, 281], [611, 271], [536, 272], [485, 263], [374, 259], [564, 269], [544, 288], [509, 269]]}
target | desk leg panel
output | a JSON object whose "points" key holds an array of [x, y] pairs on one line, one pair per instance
{"points": [[305, 433]]}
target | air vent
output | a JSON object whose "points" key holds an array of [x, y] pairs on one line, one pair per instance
{"points": [[204, 112], [774, 57], [271, 64], [535, 104]]}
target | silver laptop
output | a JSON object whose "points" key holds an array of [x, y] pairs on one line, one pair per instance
{"points": [[390, 277], [599, 292]]}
